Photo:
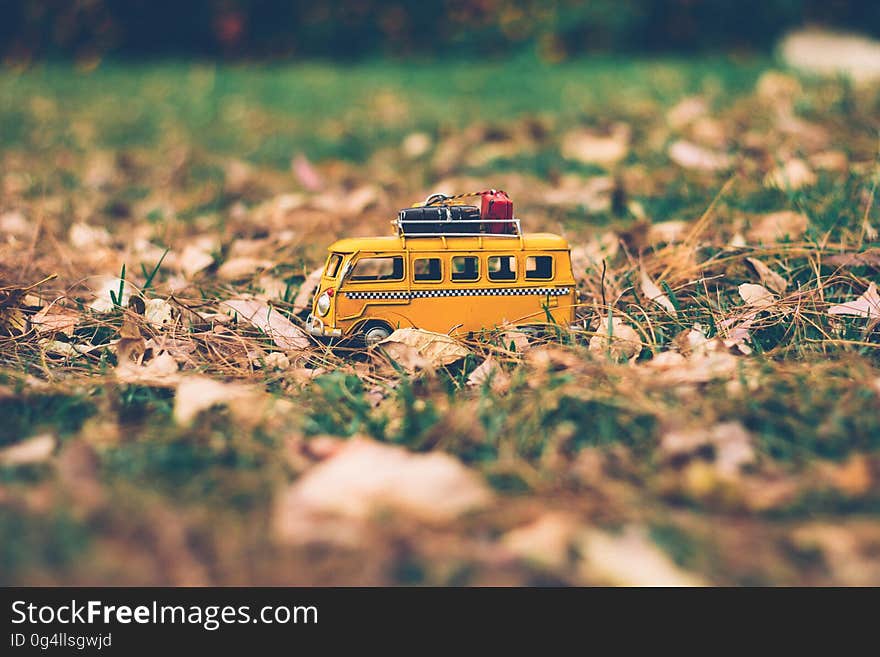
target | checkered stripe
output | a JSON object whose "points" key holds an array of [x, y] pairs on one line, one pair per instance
{"points": [[462, 292]]}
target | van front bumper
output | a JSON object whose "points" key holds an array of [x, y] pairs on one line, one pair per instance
{"points": [[316, 327]]}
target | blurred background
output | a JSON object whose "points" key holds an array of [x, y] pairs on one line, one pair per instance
{"points": [[553, 29]]}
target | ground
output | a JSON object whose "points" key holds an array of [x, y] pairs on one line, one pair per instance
{"points": [[712, 420]]}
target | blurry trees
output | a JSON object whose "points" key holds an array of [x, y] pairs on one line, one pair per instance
{"points": [[555, 29]]}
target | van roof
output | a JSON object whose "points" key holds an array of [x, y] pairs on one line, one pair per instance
{"points": [[530, 241]]}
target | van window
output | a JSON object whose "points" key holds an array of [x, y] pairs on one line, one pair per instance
{"points": [[465, 268], [502, 268], [378, 269], [539, 267], [333, 266], [427, 270]]}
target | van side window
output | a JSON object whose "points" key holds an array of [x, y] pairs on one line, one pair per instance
{"points": [[378, 269], [539, 267], [502, 268], [427, 270], [333, 265], [465, 268]]}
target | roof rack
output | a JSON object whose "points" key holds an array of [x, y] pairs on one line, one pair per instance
{"points": [[478, 227]]}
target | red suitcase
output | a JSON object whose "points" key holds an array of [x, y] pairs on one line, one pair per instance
{"points": [[497, 205]]}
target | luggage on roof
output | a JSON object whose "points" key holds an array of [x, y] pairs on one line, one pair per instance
{"points": [[447, 215]]}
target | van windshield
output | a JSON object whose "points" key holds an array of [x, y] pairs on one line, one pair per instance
{"points": [[333, 265]]}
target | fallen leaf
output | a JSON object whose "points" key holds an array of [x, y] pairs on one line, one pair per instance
{"points": [[436, 349], [667, 232], [195, 258], [365, 477], [794, 174], [306, 174], [416, 144], [591, 147], [616, 338], [548, 541], [241, 268], [830, 161], [67, 349], [161, 371], [756, 296], [852, 477], [83, 236], [158, 313], [276, 361], [629, 558], [769, 277], [15, 222], [489, 370], [198, 393], [867, 305], [868, 257], [102, 287], [28, 452], [731, 443], [778, 90], [653, 293], [824, 52], [671, 368], [281, 331], [777, 226], [593, 193], [690, 156], [518, 339], [307, 289], [686, 111], [55, 319]]}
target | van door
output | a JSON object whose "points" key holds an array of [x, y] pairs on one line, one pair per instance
{"points": [[375, 286]]}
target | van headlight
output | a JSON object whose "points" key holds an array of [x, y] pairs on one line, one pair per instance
{"points": [[323, 305]]}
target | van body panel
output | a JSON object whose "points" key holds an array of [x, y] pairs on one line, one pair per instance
{"points": [[445, 305]]}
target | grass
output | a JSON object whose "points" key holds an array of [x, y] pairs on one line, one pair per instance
{"points": [[157, 158]]}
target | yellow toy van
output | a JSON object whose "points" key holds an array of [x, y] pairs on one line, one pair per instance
{"points": [[449, 268]]}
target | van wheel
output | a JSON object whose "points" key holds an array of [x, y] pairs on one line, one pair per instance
{"points": [[374, 332]]}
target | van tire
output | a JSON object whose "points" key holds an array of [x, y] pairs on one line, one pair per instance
{"points": [[374, 332]]}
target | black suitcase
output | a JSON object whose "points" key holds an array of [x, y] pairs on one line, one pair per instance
{"points": [[441, 219]]}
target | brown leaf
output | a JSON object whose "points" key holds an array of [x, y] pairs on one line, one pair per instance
{"points": [[686, 111], [489, 370], [731, 443], [777, 226], [769, 277], [548, 541], [281, 331], [307, 289], [830, 53], [416, 144], [237, 269], [433, 349], [55, 319], [867, 305], [868, 257], [198, 393], [756, 296], [616, 338], [690, 156], [28, 452], [629, 558], [590, 147], [792, 175], [365, 477], [653, 293], [306, 174]]}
